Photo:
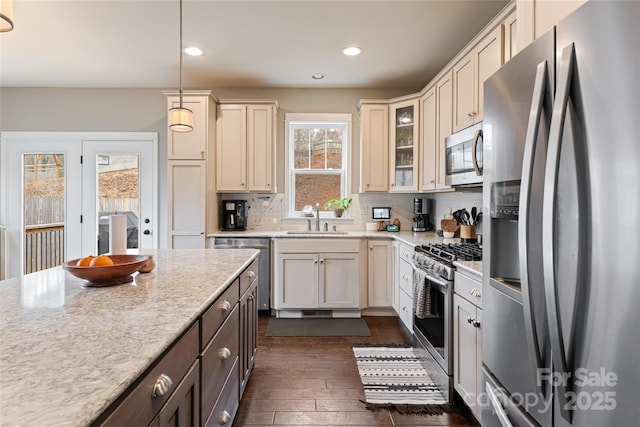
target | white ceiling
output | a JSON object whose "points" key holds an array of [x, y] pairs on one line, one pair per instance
{"points": [[265, 43]]}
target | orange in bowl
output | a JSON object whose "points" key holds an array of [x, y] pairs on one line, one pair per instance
{"points": [[100, 261], [84, 262], [116, 273]]}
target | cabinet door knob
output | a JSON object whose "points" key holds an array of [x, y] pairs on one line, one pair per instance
{"points": [[162, 385], [476, 324], [224, 306], [224, 353], [470, 320], [224, 418], [251, 275], [202, 154], [321, 261], [242, 184]]}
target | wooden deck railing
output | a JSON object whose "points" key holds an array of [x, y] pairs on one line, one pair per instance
{"points": [[43, 246]]}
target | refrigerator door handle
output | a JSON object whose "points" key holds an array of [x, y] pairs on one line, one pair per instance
{"points": [[548, 228], [540, 87], [492, 393], [474, 152]]}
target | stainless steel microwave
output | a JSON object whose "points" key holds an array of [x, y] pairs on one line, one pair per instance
{"points": [[464, 157]]}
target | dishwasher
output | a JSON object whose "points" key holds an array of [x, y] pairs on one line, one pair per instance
{"points": [[264, 264]]}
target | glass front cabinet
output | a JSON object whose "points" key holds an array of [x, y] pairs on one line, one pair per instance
{"points": [[404, 143]]}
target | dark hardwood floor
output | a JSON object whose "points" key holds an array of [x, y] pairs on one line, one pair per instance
{"points": [[312, 381]]}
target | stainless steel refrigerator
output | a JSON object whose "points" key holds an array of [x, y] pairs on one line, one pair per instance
{"points": [[561, 284]]}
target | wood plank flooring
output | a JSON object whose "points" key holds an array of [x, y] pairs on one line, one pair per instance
{"points": [[311, 381]]}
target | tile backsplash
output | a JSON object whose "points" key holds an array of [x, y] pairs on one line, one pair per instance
{"points": [[267, 212]]}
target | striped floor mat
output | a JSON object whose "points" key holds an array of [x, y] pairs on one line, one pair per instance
{"points": [[395, 376]]}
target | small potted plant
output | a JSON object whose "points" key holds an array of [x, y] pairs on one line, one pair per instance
{"points": [[339, 206]]}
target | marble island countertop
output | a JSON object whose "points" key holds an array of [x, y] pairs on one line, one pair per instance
{"points": [[68, 351]]}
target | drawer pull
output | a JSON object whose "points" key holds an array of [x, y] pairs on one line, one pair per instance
{"points": [[251, 275], [224, 353], [224, 418], [475, 292], [162, 385], [224, 306]]}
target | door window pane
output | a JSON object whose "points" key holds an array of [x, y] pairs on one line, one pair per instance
{"points": [[43, 215], [118, 193]]}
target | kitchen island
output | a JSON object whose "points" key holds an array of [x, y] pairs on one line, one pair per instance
{"points": [[68, 352]]}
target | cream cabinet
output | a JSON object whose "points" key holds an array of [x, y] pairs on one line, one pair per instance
{"points": [[444, 122], [428, 140], [379, 273], [197, 144], [189, 217], [403, 145], [510, 34], [469, 75], [536, 17], [403, 285], [320, 274], [467, 339], [374, 147], [193, 210], [245, 147]]}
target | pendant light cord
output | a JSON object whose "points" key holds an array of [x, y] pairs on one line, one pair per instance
{"points": [[180, 54]]}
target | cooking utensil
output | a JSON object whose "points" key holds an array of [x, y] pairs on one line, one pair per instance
{"points": [[474, 212], [478, 217], [466, 216]]}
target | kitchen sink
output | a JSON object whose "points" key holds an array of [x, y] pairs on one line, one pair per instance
{"points": [[317, 233]]}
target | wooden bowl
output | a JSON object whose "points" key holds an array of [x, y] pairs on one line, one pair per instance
{"points": [[108, 275]]}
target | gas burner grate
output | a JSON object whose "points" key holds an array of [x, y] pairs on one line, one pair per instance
{"points": [[454, 251]]}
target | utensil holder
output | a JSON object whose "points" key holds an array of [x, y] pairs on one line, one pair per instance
{"points": [[468, 233]]}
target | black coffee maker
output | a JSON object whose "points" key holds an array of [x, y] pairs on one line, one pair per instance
{"points": [[234, 215], [422, 212]]}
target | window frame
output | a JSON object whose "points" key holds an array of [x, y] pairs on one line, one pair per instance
{"points": [[323, 119]]}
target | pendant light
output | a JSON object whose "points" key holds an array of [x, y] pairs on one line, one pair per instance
{"points": [[180, 119], [6, 16]]}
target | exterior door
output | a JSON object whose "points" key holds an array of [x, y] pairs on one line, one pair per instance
{"points": [[48, 166], [118, 177]]}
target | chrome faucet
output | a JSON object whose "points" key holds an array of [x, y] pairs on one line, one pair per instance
{"points": [[317, 216], [308, 224], [326, 226]]}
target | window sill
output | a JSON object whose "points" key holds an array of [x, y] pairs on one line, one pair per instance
{"points": [[333, 219]]}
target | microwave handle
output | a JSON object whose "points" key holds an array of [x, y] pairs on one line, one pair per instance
{"points": [[474, 152]]}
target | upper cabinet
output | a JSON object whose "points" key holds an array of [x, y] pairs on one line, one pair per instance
{"points": [[193, 145], [428, 140], [469, 75], [403, 145], [510, 34], [536, 17], [374, 147], [444, 122], [245, 147]]}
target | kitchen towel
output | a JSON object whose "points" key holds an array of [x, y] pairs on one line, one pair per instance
{"points": [[422, 304], [117, 234]]}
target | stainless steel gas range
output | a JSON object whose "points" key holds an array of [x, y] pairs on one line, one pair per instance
{"points": [[433, 303]]}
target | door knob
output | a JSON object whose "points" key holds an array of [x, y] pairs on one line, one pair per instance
{"points": [[146, 232], [147, 220]]}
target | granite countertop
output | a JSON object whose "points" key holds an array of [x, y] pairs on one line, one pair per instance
{"points": [[68, 351], [473, 267], [408, 237]]}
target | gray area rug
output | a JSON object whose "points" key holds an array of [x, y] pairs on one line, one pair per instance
{"points": [[279, 327], [393, 378]]}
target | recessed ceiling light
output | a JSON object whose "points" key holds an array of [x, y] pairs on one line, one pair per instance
{"points": [[352, 51], [317, 76], [193, 51]]}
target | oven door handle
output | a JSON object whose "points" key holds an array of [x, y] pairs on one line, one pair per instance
{"points": [[439, 281]]}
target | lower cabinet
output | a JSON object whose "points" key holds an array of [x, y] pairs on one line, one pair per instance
{"points": [[403, 285], [467, 340], [199, 380], [183, 408], [248, 333], [327, 278], [379, 273]]}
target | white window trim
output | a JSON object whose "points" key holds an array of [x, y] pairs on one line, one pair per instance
{"points": [[346, 174]]}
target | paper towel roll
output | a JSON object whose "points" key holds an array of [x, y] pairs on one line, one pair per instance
{"points": [[117, 234]]}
